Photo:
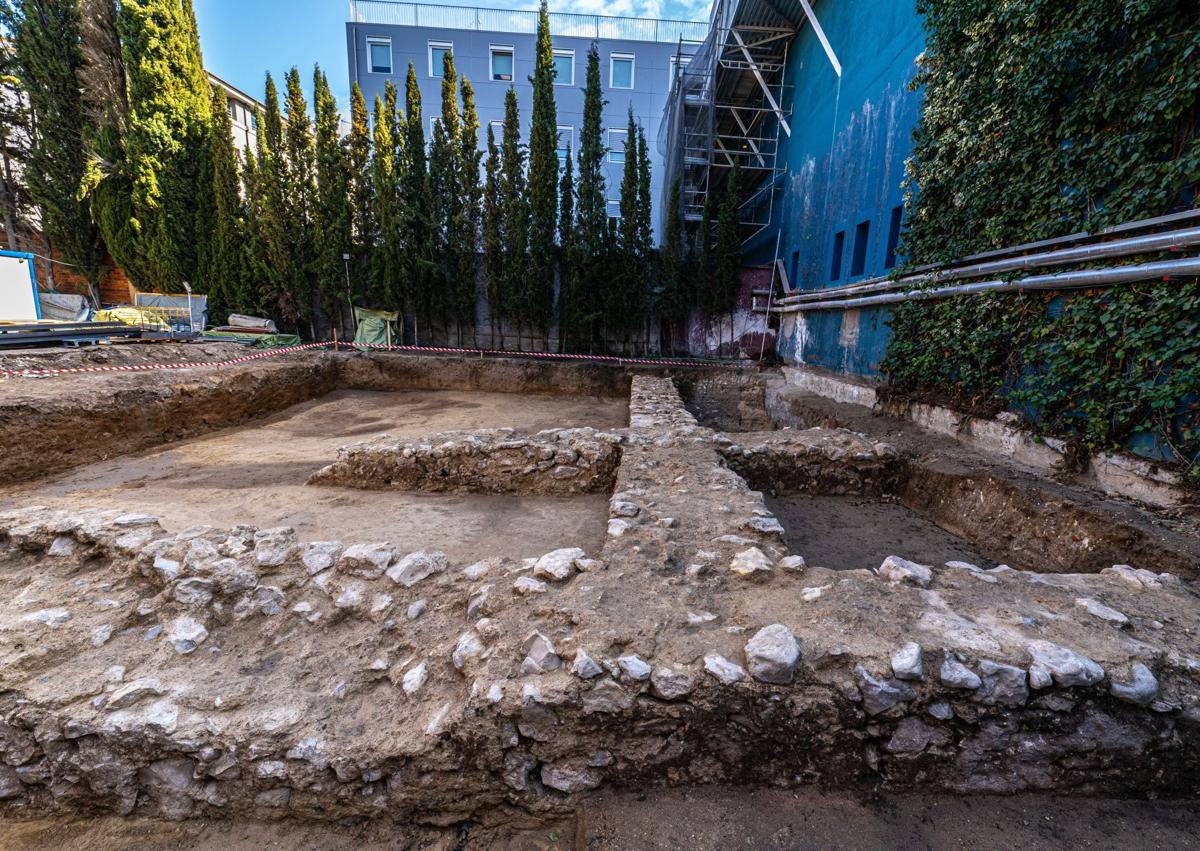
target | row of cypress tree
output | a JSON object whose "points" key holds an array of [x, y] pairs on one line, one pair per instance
{"points": [[131, 151]]}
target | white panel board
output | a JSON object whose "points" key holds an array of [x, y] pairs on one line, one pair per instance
{"points": [[18, 292]]}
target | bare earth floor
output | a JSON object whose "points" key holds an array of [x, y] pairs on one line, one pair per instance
{"points": [[677, 820], [848, 533], [255, 474]]}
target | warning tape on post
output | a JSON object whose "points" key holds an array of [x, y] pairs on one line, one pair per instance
{"points": [[51, 372]]}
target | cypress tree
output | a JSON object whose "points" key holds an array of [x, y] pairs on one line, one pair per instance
{"points": [[331, 211], [674, 299], [569, 319], [445, 194], [645, 236], [543, 181], [270, 216], [50, 64], [219, 272], [251, 298], [299, 189], [362, 202], [169, 114], [493, 241], [466, 239], [514, 219], [16, 125], [416, 192], [386, 275], [143, 186], [622, 308], [591, 205]]}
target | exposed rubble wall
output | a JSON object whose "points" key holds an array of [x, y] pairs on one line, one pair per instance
{"points": [[245, 671], [556, 461]]}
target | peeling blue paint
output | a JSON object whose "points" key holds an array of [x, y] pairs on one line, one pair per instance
{"points": [[845, 165]]}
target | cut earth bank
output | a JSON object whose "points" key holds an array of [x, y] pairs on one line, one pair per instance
{"points": [[257, 671]]}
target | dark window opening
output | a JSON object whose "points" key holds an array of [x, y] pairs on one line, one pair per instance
{"points": [[858, 263], [839, 247], [893, 237], [792, 282]]}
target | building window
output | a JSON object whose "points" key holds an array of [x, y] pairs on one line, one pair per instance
{"points": [[502, 63], [858, 262], [564, 67], [793, 284], [497, 130], [254, 121], [893, 236], [678, 64], [616, 145], [379, 50], [233, 116], [614, 211], [620, 71], [435, 121], [839, 248], [437, 56], [566, 141]]}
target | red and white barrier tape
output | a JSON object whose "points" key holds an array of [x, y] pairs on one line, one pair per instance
{"points": [[147, 367]]}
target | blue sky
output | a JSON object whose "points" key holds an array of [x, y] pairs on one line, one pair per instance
{"points": [[243, 39]]}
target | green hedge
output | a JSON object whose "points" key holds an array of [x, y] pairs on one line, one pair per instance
{"points": [[1043, 118]]}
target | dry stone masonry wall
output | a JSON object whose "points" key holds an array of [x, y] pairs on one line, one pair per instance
{"points": [[555, 461], [243, 670]]}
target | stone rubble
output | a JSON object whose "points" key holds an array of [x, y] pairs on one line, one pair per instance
{"points": [[222, 671]]}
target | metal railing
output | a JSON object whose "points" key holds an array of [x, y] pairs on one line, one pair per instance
{"points": [[388, 12]]}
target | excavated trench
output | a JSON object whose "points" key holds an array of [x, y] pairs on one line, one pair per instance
{"points": [[947, 504], [747, 607]]}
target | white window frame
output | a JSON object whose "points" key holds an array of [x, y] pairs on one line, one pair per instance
{"points": [[610, 205], [610, 148], [612, 61], [565, 51], [381, 41], [566, 139], [440, 45], [501, 49], [497, 130], [434, 121]]}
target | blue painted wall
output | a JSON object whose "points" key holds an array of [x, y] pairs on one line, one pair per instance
{"points": [[472, 55], [845, 164]]}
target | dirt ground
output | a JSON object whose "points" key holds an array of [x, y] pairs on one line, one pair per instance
{"points": [[846, 533], [699, 820], [256, 475]]}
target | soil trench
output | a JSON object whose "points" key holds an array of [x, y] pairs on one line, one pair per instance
{"points": [[256, 475], [849, 533]]}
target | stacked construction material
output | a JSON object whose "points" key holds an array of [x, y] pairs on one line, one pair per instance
{"points": [[49, 333]]}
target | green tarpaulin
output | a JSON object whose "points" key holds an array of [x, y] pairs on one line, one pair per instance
{"points": [[375, 327]]}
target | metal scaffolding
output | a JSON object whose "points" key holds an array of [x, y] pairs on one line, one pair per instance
{"points": [[732, 105]]}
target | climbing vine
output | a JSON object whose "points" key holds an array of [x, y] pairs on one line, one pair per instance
{"points": [[1043, 118]]}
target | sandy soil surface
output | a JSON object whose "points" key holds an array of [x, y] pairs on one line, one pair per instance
{"points": [[256, 475], [703, 820], [845, 533]]}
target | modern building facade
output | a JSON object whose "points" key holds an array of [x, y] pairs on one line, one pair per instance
{"points": [[639, 60], [243, 113], [811, 99]]}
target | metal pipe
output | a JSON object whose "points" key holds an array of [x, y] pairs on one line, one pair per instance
{"points": [[1064, 280], [1063, 256]]}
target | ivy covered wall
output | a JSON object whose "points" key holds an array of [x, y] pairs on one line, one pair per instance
{"points": [[1042, 118]]}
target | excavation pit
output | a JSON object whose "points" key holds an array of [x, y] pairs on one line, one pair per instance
{"points": [[255, 474], [858, 533], [658, 624]]}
